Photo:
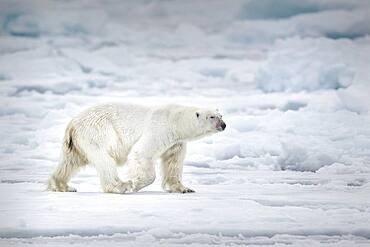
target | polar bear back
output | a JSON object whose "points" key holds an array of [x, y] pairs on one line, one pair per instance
{"points": [[109, 127]]}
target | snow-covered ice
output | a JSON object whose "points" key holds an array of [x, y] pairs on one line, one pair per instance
{"points": [[291, 78]]}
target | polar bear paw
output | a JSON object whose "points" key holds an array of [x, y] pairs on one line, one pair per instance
{"points": [[59, 186], [119, 188], [179, 188], [71, 189], [63, 188]]}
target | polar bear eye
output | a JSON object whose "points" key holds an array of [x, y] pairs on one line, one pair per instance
{"points": [[212, 117], [197, 114]]}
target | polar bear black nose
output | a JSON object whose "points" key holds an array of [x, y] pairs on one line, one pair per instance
{"points": [[223, 125]]}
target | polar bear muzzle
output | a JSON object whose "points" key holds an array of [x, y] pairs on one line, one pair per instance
{"points": [[221, 125]]}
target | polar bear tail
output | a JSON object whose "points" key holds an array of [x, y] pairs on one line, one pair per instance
{"points": [[70, 161], [68, 140]]}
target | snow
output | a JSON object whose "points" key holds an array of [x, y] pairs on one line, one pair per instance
{"points": [[292, 81]]}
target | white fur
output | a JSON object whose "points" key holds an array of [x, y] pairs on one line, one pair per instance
{"points": [[115, 134]]}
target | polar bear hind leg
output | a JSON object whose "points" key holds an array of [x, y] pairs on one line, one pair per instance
{"points": [[106, 168], [69, 165], [141, 170], [171, 164]]}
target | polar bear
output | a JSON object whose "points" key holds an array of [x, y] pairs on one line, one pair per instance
{"points": [[114, 134]]}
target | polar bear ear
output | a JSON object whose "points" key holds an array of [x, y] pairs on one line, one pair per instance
{"points": [[197, 114]]}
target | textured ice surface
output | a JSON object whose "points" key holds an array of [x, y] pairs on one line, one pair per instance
{"points": [[291, 79]]}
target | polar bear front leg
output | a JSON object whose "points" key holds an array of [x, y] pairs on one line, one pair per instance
{"points": [[172, 163]]}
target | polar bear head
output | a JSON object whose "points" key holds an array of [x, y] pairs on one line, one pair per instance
{"points": [[210, 121], [193, 123]]}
